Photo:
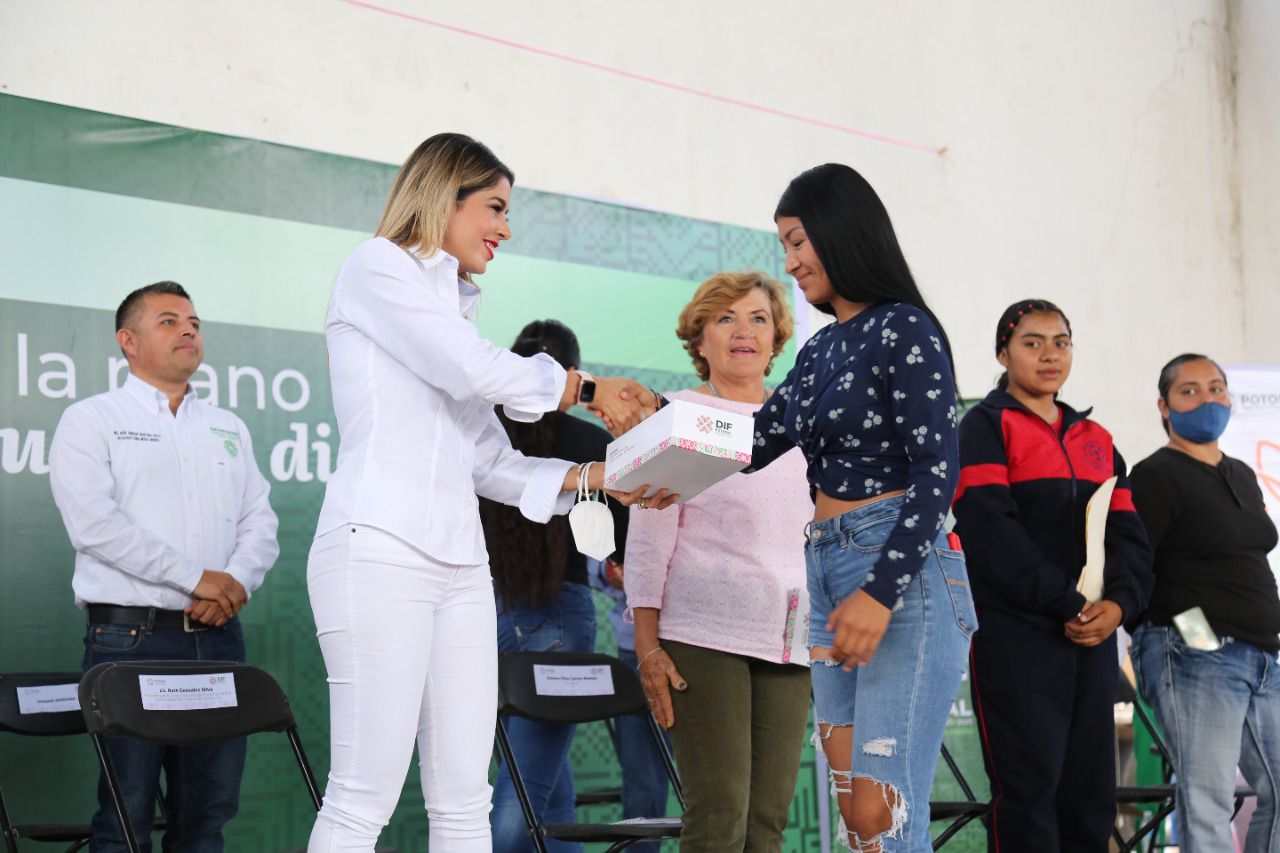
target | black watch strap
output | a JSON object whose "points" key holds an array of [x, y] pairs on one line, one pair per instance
{"points": [[586, 388]]}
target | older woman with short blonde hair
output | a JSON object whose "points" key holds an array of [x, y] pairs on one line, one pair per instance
{"points": [[717, 587], [719, 292]]}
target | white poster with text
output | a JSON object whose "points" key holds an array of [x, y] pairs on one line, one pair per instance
{"points": [[1253, 434]]}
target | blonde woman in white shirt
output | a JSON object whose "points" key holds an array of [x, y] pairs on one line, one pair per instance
{"points": [[398, 575]]}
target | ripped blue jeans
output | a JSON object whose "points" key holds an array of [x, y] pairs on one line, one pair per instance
{"points": [[898, 703]]}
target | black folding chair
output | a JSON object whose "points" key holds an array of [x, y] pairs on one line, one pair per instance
{"points": [[959, 812], [112, 701], [601, 796], [1161, 796], [528, 689], [24, 689]]}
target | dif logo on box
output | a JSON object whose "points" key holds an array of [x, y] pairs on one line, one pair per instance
{"points": [[708, 424]]}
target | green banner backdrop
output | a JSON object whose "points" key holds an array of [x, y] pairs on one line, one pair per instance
{"points": [[94, 205]]}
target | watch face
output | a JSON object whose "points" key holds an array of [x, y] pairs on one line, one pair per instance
{"points": [[587, 392]]}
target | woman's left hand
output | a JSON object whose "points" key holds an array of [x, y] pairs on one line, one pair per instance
{"points": [[660, 499], [1096, 622], [859, 623]]}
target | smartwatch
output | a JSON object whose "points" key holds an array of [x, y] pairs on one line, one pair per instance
{"points": [[586, 388]]}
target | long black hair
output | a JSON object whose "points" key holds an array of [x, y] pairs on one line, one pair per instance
{"points": [[851, 231], [528, 559]]}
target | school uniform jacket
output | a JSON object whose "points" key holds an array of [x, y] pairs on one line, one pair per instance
{"points": [[1020, 513]]}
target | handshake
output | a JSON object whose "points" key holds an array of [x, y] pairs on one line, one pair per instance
{"points": [[618, 402]]}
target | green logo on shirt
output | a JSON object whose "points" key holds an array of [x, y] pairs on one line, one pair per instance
{"points": [[230, 440]]}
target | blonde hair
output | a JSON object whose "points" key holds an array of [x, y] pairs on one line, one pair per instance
{"points": [[718, 293], [440, 173]]}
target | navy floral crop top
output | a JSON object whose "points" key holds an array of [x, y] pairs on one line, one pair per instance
{"points": [[871, 403]]}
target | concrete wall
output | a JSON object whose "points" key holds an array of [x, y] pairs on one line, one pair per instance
{"points": [[1257, 24], [1095, 151]]}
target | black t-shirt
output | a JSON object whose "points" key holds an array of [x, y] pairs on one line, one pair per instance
{"points": [[1211, 535]]}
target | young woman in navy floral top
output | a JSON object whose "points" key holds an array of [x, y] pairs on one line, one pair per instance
{"points": [[871, 402]]}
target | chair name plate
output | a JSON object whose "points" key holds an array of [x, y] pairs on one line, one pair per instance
{"points": [[572, 680], [187, 692], [48, 699]]}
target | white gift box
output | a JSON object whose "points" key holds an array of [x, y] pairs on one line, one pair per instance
{"points": [[684, 447]]}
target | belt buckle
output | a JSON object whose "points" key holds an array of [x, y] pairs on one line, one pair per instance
{"points": [[192, 627]]}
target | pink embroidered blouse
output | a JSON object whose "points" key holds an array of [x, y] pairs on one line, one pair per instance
{"points": [[726, 568]]}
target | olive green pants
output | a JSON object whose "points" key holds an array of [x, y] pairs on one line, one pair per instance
{"points": [[738, 737]]}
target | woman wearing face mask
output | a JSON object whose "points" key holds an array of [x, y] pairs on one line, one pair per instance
{"points": [[1044, 668], [716, 587], [397, 574], [1218, 708], [871, 405]]}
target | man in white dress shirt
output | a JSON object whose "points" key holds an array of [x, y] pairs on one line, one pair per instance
{"points": [[169, 516]]}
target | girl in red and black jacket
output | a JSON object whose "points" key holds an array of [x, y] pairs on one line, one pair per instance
{"points": [[1043, 669]]}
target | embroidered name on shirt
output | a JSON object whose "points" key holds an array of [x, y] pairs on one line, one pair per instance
{"points": [[230, 440], [135, 435]]}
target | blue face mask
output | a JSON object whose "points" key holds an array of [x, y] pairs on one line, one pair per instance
{"points": [[1202, 424]]}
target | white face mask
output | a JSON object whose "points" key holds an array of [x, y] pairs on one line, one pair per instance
{"points": [[591, 521]]}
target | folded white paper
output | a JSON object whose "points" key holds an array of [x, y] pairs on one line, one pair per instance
{"points": [[1095, 541], [684, 447]]}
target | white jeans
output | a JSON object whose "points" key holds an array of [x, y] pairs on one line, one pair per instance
{"points": [[410, 646]]}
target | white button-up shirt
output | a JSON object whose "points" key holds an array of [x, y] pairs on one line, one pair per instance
{"points": [[151, 499], [414, 386]]}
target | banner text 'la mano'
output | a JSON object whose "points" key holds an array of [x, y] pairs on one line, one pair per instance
{"points": [[303, 452]]}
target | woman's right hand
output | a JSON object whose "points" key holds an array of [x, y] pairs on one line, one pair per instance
{"points": [[621, 403], [658, 676], [859, 623]]}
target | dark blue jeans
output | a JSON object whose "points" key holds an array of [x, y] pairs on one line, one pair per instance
{"points": [[568, 625], [202, 783]]}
